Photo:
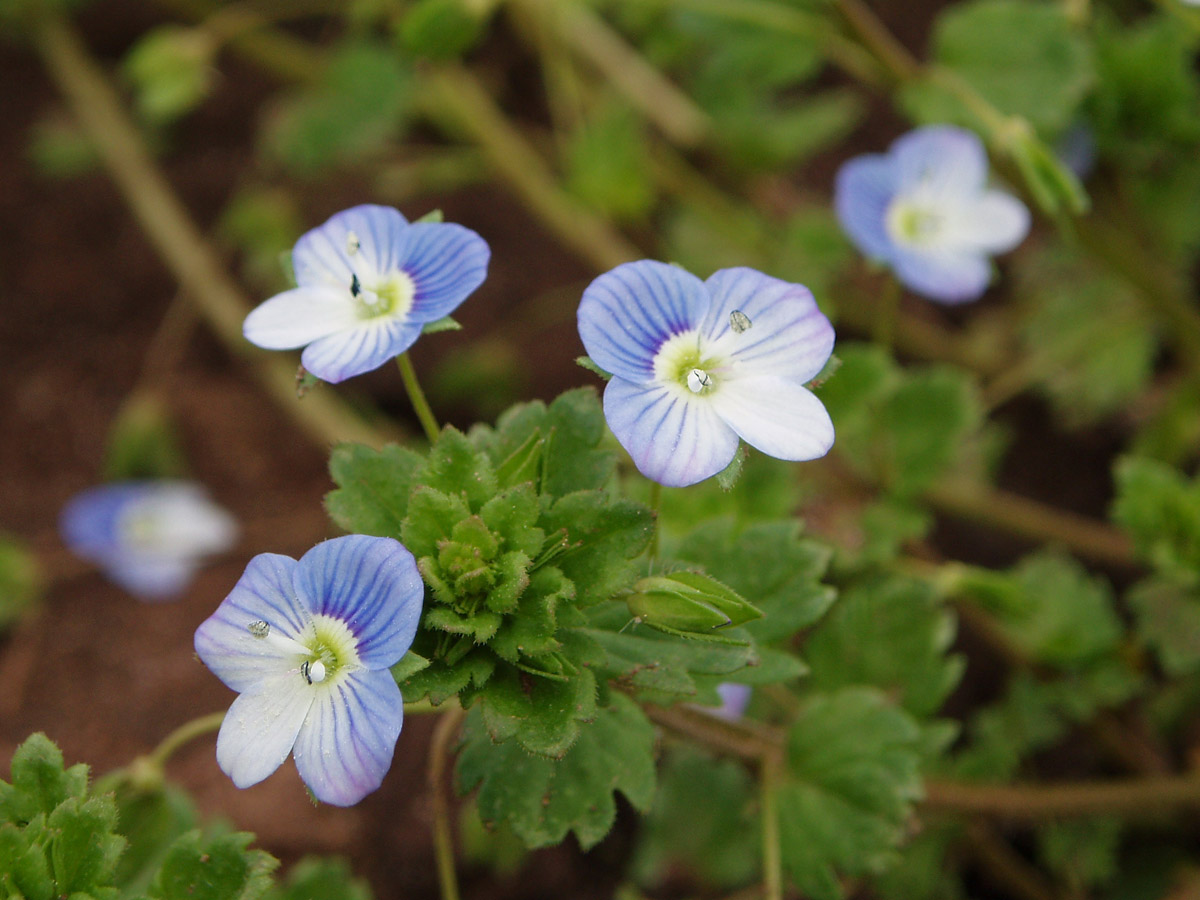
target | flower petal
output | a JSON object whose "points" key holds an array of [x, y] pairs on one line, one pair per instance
{"points": [[345, 746], [322, 255], [446, 263], [300, 316], [779, 416], [946, 274], [673, 439], [261, 726], [90, 522], [627, 313], [371, 584], [151, 578], [363, 349], [264, 593], [863, 191], [995, 223], [940, 160], [788, 334]]}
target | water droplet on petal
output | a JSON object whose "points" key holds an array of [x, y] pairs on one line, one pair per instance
{"points": [[259, 629], [352, 243], [739, 321]]}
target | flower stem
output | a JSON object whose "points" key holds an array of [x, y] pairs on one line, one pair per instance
{"points": [[655, 503], [884, 329], [443, 837], [185, 733], [420, 405], [771, 855]]}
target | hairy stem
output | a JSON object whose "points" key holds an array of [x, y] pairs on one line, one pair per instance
{"points": [[184, 734], [444, 735], [417, 396]]}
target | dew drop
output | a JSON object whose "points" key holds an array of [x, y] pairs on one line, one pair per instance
{"points": [[352, 243], [259, 628], [739, 321]]}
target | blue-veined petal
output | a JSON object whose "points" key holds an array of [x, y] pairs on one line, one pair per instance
{"points": [[446, 263], [777, 415], [940, 161], [300, 316], [371, 584], [994, 223], [346, 354], [673, 438], [230, 648], [788, 334], [322, 256], [863, 191], [261, 726], [345, 747], [946, 274], [627, 313]]}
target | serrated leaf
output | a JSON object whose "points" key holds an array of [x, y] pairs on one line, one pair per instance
{"points": [[39, 782], [603, 535], [85, 849], [431, 518], [321, 878], [151, 820], [1160, 509], [512, 515], [456, 467], [542, 799], [373, 487], [439, 682], [213, 868], [24, 870], [851, 782], [888, 633], [1167, 613], [543, 715]]}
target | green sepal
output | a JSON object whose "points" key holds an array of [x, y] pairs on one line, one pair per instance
{"points": [[729, 475], [434, 216], [586, 362], [445, 323]]}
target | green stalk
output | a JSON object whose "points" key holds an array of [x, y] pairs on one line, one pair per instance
{"points": [[443, 835], [420, 405]]}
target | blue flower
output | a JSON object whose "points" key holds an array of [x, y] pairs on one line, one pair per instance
{"points": [[307, 644], [734, 700], [697, 365], [925, 210], [147, 536], [368, 281]]}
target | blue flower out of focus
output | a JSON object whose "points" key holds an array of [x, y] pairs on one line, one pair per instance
{"points": [[147, 536], [697, 365], [307, 645], [924, 209], [367, 283]]}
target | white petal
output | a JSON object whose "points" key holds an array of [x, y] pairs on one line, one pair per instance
{"points": [[345, 747], [777, 415], [994, 223], [944, 274], [300, 316], [363, 349], [788, 335], [674, 438], [150, 577], [940, 161], [261, 726]]}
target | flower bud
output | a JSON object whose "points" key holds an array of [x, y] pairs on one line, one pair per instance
{"points": [[689, 602]]}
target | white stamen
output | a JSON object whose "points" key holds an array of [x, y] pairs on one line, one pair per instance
{"points": [[739, 321], [352, 243], [259, 629], [698, 380]]}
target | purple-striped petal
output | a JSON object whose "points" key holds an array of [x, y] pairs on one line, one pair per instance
{"points": [[363, 349], [446, 263], [940, 160], [947, 275], [225, 641], [300, 316], [778, 416], [346, 744], [787, 334], [673, 438], [371, 584], [627, 313], [864, 189], [261, 726], [322, 256]]}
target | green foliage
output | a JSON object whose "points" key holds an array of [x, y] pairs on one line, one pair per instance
{"points": [[702, 820], [263, 223], [1167, 614], [1082, 853], [440, 29], [890, 633], [317, 877], [213, 868], [171, 69], [142, 442], [542, 799], [607, 165], [20, 580], [361, 100], [688, 602], [851, 781], [901, 428], [59, 148], [1160, 509]]}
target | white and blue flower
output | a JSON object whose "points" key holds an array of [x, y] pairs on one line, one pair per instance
{"points": [[150, 537], [307, 645], [367, 282], [925, 210], [697, 365]]}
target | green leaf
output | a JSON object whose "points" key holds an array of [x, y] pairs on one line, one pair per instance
{"points": [[457, 467], [603, 535], [85, 849], [20, 580], [410, 664], [1083, 852], [213, 868], [24, 870], [171, 70], [542, 799], [316, 878], [142, 442], [373, 487], [852, 778], [702, 822], [607, 164], [439, 682], [689, 601], [890, 633], [1167, 612], [441, 29], [543, 715], [152, 820], [431, 518], [39, 782], [1023, 56], [1160, 510]]}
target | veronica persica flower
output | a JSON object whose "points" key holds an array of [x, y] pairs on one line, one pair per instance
{"points": [[697, 365], [367, 282], [924, 209], [150, 537], [307, 644]]}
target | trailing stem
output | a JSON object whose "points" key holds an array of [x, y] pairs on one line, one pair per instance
{"points": [[444, 735]]}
